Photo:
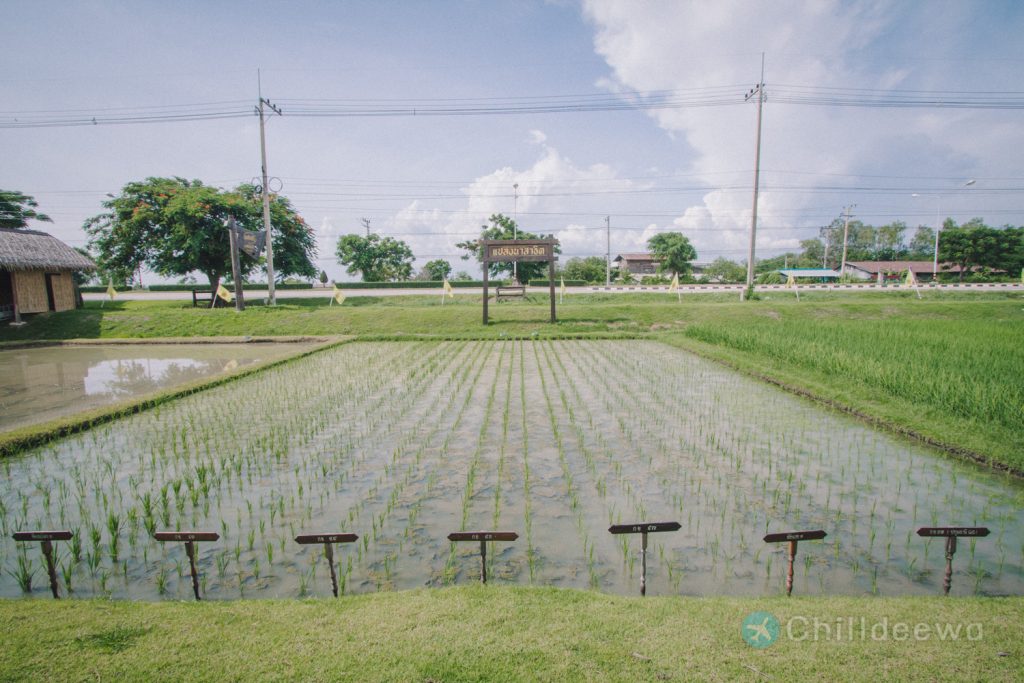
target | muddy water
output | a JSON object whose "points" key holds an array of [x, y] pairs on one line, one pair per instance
{"points": [[40, 384], [403, 443]]}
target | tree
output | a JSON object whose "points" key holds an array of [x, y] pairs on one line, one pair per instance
{"points": [[176, 226], [590, 269], [17, 209], [376, 258], [889, 242], [462, 276], [323, 277], [922, 244], [724, 270], [504, 228], [438, 269], [673, 251], [975, 246]]}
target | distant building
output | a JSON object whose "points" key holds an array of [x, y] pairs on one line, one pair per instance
{"points": [[822, 274], [36, 273], [894, 270], [645, 265]]}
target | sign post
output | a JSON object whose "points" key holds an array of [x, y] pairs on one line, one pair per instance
{"points": [[46, 539], [643, 530], [499, 251], [951, 533], [483, 537], [189, 538], [328, 541], [794, 537]]}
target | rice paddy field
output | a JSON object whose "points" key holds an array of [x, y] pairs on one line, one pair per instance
{"points": [[405, 442]]}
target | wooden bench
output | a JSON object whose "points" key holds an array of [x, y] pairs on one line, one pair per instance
{"points": [[203, 295], [514, 292]]}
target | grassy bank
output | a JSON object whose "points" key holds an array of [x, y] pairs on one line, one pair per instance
{"points": [[945, 369], [490, 633]]}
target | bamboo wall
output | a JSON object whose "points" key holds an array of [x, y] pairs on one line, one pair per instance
{"points": [[30, 288]]}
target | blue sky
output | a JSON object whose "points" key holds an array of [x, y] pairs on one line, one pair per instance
{"points": [[433, 180]]}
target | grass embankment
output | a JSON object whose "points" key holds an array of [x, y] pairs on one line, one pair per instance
{"points": [[506, 634]]}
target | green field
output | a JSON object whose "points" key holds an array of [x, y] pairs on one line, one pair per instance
{"points": [[945, 369], [507, 634]]}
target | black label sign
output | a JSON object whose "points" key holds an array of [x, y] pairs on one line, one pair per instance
{"points": [[306, 539], [483, 536], [42, 536], [814, 535], [185, 536], [953, 531], [518, 250], [645, 528]]}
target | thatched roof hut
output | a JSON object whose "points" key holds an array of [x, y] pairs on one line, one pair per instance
{"points": [[36, 272]]}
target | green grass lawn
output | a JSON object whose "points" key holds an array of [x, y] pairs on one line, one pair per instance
{"points": [[491, 633]]}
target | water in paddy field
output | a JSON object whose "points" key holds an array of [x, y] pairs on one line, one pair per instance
{"points": [[403, 443], [42, 383]]}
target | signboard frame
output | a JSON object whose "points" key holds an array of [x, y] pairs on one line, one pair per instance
{"points": [[189, 538], [483, 537], [793, 538], [644, 528], [328, 540], [531, 251]]}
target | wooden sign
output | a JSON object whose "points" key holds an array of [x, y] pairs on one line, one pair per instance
{"points": [[815, 535], [189, 538], [46, 539], [482, 537], [646, 528], [517, 250], [793, 538], [953, 531], [42, 535], [306, 539], [186, 536], [501, 251], [643, 529], [328, 540]]}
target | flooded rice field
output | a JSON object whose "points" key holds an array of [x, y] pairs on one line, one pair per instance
{"points": [[403, 443], [42, 383]]}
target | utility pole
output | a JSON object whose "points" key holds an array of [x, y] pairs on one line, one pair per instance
{"points": [[366, 224], [608, 255], [846, 232], [759, 91], [515, 225], [824, 259], [271, 295]]}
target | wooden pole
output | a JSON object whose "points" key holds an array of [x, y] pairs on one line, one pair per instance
{"points": [[643, 564], [329, 552], [190, 549], [483, 561], [551, 284], [947, 580], [487, 267], [51, 569], [789, 569]]}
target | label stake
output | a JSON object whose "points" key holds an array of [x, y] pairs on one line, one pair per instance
{"points": [[189, 538], [483, 537], [643, 530], [328, 541], [46, 539], [951, 533], [793, 538]]}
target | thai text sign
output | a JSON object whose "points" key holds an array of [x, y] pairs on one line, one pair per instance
{"points": [[518, 250]]}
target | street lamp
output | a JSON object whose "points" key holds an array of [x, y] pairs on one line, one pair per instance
{"points": [[938, 227], [515, 221]]}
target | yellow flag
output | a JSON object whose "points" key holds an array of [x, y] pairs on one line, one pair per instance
{"points": [[674, 286], [911, 281], [791, 281], [111, 292], [448, 289], [339, 296], [223, 293]]}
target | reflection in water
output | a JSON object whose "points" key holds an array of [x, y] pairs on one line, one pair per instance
{"points": [[41, 384]]}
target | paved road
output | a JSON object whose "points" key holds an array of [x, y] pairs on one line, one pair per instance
{"points": [[320, 293]]}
